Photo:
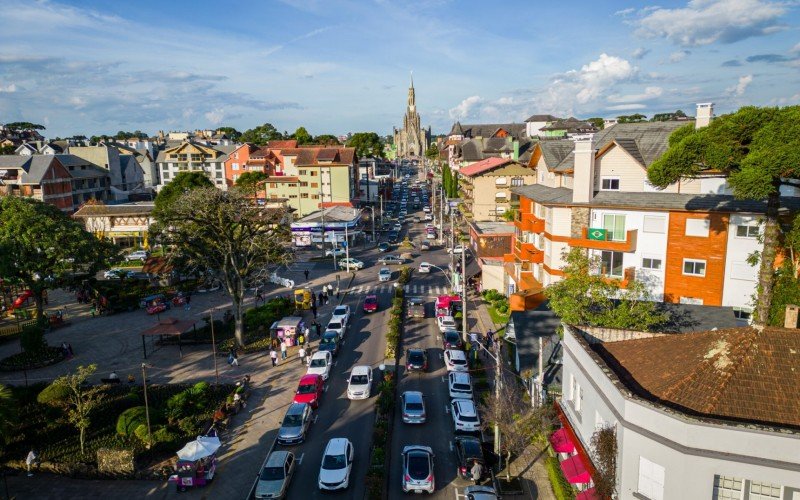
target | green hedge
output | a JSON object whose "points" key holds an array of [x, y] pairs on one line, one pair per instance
{"points": [[130, 419], [25, 360], [561, 487]]}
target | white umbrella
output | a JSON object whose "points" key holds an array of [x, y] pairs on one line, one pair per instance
{"points": [[202, 447]]}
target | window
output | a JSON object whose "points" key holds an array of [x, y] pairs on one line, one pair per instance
{"points": [[693, 267], [691, 301], [313, 173], [747, 231], [234, 166], [611, 264], [314, 196], [541, 177], [165, 175], [651, 263], [727, 488], [219, 175], [764, 491], [517, 181], [303, 184], [654, 224], [697, 227], [742, 314], [303, 172], [500, 181], [651, 479], [609, 184], [615, 227], [578, 401], [303, 195]]}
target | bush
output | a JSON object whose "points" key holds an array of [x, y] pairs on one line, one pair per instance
{"points": [[561, 488], [191, 425], [130, 419], [29, 360], [52, 394], [141, 433], [378, 455], [32, 339]]}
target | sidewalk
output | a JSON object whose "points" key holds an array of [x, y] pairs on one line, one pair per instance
{"points": [[531, 463]]}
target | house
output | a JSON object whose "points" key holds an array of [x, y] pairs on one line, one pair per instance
{"points": [[249, 158], [711, 414], [42, 177], [329, 225], [486, 186], [190, 156], [468, 144], [145, 156], [688, 243], [535, 123], [125, 224], [124, 171], [566, 128], [89, 181]]}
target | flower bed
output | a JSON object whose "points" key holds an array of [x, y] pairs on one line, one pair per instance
{"points": [[28, 360]]}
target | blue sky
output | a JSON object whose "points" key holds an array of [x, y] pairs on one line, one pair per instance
{"points": [[343, 66]]}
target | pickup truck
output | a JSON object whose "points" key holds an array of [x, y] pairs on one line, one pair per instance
{"points": [[415, 307]]}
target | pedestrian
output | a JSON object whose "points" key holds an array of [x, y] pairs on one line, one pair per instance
{"points": [[188, 305], [314, 308], [64, 349], [233, 359], [313, 300], [476, 471], [490, 335], [337, 293], [306, 273], [307, 334], [273, 355], [31, 460], [283, 350], [321, 298], [301, 340], [69, 350], [302, 354], [259, 296], [325, 296], [317, 327]]}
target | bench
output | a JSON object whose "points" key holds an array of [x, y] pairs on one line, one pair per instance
{"points": [[110, 380]]}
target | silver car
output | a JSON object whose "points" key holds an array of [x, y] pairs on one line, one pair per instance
{"points": [[295, 424], [418, 469], [413, 407], [477, 492], [275, 477]]}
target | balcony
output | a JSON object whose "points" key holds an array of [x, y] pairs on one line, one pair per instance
{"points": [[527, 252], [627, 245], [529, 222]]}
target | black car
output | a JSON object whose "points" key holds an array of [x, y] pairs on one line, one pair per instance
{"points": [[468, 450], [451, 339], [329, 342], [384, 247], [392, 237], [416, 360]]}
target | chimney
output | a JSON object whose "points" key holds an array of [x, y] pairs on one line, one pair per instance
{"points": [[792, 313], [583, 172], [705, 112]]}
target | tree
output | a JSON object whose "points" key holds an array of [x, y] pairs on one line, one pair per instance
{"points": [[223, 232], [327, 140], [183, 182], [137, 134], [604, 455], [758, 149], [598, 122], [8, 149], [24, 126], [231, 132], [366, 144], [665, 117], [80, 398], [586, 297], [261, 135], [432, 152], [634, 118], [248, 182], [302, 136], [8, 414], [40, 244]]}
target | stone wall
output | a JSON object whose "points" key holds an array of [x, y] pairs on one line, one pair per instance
{"points": [[595, 335], [580, 219]]}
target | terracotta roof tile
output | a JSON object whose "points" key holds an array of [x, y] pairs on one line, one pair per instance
{"points": [[483, 166]]}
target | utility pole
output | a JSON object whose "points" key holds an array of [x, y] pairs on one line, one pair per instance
{"points": [[381, 197], [214, 348], [497, 401], [146, 406], [452, 248], [464, 294]]}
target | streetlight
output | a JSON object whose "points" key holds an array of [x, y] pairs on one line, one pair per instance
{"points": [[373, 222]]}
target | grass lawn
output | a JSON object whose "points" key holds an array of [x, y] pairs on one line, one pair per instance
{"points": [[497, 317]]}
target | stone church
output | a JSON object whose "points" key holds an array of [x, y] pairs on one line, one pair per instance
{"points": [[412, 139]]}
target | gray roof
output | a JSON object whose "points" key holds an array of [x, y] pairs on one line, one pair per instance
{"points": [[541, 118], [516, 130], [528, 327], [544, 194], [115, 210], [33, 166], [558, 154], [492, 227], [77, 163], [645, 141], [686, 318], [333, 214], [471, 150], [571, 125]]}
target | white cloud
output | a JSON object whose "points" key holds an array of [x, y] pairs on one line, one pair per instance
{"points": [[740, 88], [10, 88], [468, 108], [795, 49], [625, 12], [678, 56], [703, 22], [215, 116], [77, 102], [648, 94], [640, 52], [593, 79], [626, 107]]}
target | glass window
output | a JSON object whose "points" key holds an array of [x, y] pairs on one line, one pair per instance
{"points": [[691, 300], [697, 227], [609, 184], [747, 231], [614, 226], [694, 267], [654, 224], [742, 314], [727, 488], [651, 263], [611, 264], [235, 166], [764, 491]]}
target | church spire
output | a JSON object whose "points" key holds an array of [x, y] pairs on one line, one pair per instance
{"points": [[412, 99]]}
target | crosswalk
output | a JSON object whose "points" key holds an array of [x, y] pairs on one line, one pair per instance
{"points": [[409, 289]]}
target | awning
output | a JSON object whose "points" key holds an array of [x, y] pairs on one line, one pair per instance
{"points": [[574, 470], [587, 495], [473, 268], [561, 442]]}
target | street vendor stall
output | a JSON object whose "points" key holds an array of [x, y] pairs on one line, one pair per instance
{"points": [[197, 463], [167, 327], [287, 329]]}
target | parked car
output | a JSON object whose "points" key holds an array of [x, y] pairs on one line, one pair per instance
{"points": [[359, 386], [398, 227], [459, 385], [371, 303], [418, 469], [337, 326], [137, 255], [351, 263], [339, 252], [415, 307], [465, 415], [341, 313], [451, 339], [337, 463], [413, 407], [320, 364], [390, 259], [426, 209], [457, 250], [424, 246], [330, 341], [416, 360], [478, 492], [455, 360], [115, 274], [468, 450], [295, 424], [425, 267], [428, 216], [275, 477], [385, 274], [310, 390], [383, 246], [446, 323], [392, 237], [431, 235]]}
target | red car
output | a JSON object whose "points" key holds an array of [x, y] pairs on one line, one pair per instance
{"points": [[371, 303], [309, 390]]}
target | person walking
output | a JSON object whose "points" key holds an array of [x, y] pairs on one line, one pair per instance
{"points": [[31, 460], [476, 471], [301, 340], [233, 358], [314, 308], [306, 273], [321, 298], [307, 334], [313, 299], [188, 305], [325, 296], [317, 327], [273, 355], [302, 354], [283, 350], [259, 296]]}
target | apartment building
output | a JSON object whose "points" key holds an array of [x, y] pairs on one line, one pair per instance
{"points": [[189, 156], [42, 177], [687, 243], [486, 186], [469, 144], [723, 426], [251, 158]]}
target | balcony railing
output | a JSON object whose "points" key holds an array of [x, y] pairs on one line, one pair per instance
{"points": [[527, 252], [529, 222], [626, 245]]}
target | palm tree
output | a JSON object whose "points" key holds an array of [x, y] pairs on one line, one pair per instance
{"points": [[8, 414]]}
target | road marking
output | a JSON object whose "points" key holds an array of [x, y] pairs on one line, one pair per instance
{"points": [[299, 460], [451, 445], [441, 356], [325, 388], [447, 409], [444, 379], [316, 416]]}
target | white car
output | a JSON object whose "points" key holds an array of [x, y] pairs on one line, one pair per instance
{"points": [[341, 313], [428, 216], [337, 463], [351, 263], [398, 227], [430, 226], [455, 360], [459, 385], [338, 326], [431, 236], [320, 364], [114, 274], [385, 274], [465, 415], [457, 250], [360, 384], [336, 251], [446, 323], [425, 267], [137, 255], [426, 209]]}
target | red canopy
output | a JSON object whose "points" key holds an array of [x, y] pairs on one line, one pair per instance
{"points": [[587, 495], [575, 471], [561, 442]]}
